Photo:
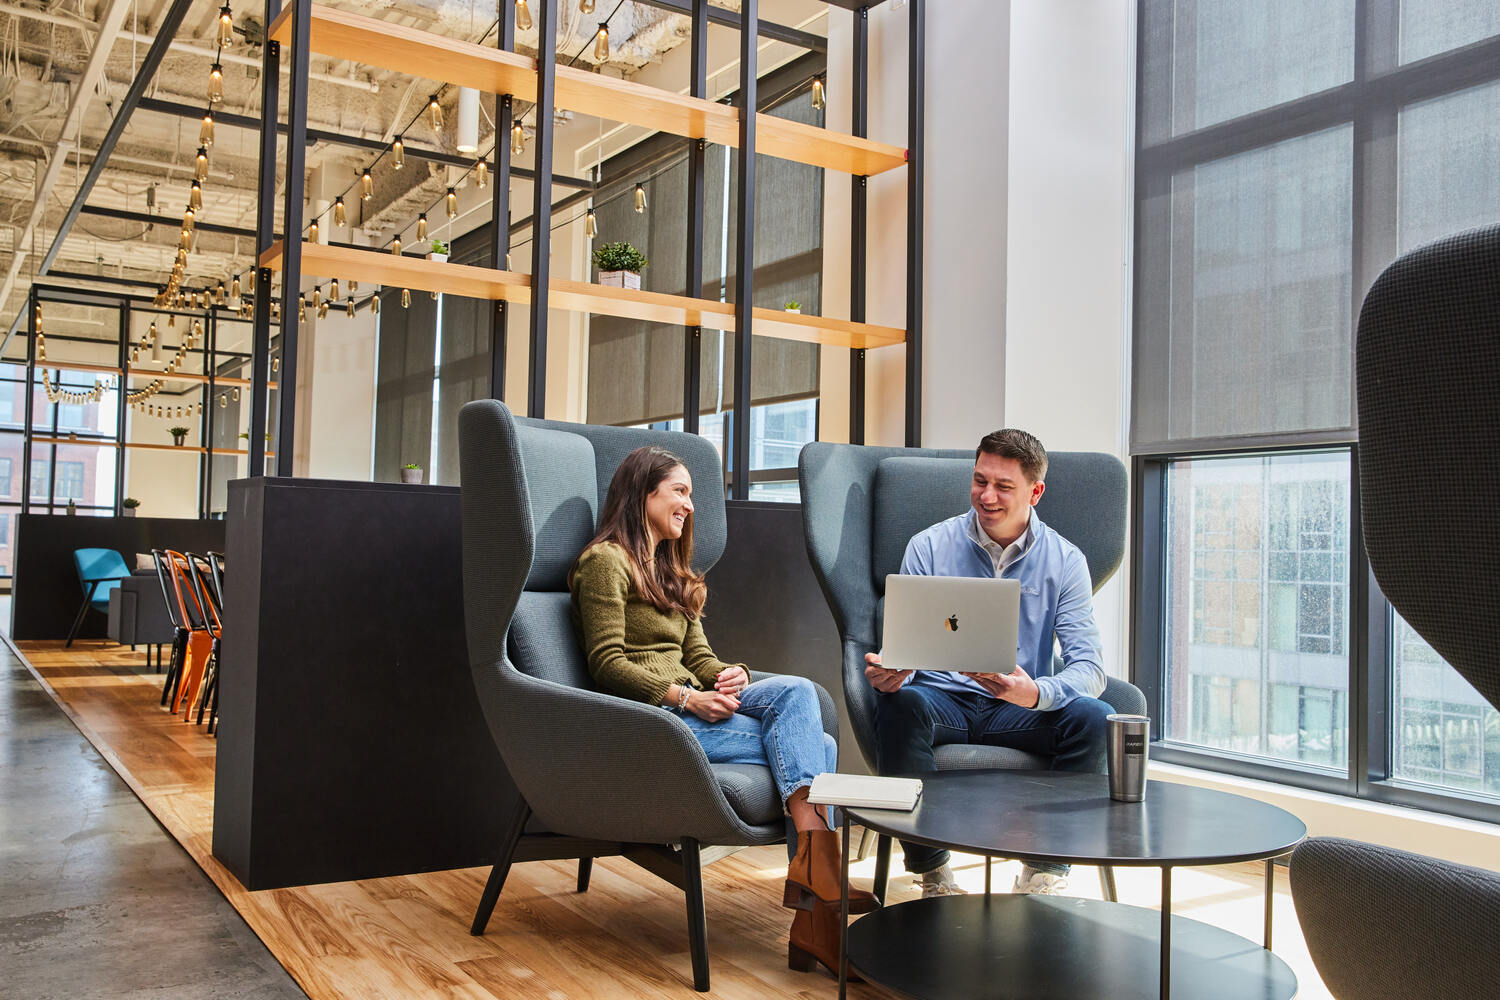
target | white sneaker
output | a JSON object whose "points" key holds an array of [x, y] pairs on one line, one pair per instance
{"points": [[1034, 883], [940, 883]]}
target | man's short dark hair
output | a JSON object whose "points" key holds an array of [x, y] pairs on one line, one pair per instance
{"points": [[1019, 445]]}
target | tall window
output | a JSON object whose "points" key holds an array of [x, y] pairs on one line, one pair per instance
{"points": [[1286, 152]]}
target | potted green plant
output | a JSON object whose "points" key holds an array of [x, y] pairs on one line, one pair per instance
{"points": [[619, 265], [179, 435], [411, 472], [438, 252], [793, 306], [129, 504]]}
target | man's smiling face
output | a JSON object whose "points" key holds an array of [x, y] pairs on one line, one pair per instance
{"points": [[1002, 497]]}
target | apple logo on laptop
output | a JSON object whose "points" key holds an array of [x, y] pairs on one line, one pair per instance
{"points": [[951, 624]]}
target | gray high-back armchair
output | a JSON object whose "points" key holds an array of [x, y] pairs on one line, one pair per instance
{"points": [[862, 504], [597, 775], [1383, 923]]}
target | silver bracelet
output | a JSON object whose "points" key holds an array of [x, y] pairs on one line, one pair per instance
{"points": [[682, 697]]}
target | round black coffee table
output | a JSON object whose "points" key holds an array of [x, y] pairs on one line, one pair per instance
{"points": [[1013, 946]]}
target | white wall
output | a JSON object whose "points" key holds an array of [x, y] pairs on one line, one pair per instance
{"points": [[336, 394]]}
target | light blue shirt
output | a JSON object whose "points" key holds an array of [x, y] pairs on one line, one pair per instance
{"points": [[1057, 605]]}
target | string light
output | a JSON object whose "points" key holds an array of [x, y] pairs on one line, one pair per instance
{"points": [[340, 217], [452, 201], [219, 297], [317, 296], [398, 153], [590, 225], [216, 84], [200, 164], [517, 139], [301, 308], [312, 232], [640, 199], [323, 311], [585, 6], [819, 97], [482, 174], [223, 400], [422, 227], [396, 246], [333, 290], [236, 394], [406, 292], [375, 303], [523, 16], [195, 196], [366, 186], [435, 112], [206, 132], [275, 365], [350, 308], [234, 287], [601, 44], [226, 27]]}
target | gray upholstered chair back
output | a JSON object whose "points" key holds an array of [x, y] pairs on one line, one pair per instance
{"points": [[861, 505], [1427, 371]]}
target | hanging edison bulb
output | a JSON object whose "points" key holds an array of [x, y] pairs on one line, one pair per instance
{"points": [[226, 27], [819, 96], [200, 164], [206, 131], [375, 303], [150, 334], [317, 296], [236, 394], [219, 298], [452, 203], [435, 113], [340, 216], [353, 286], [507, 260], [223, 400], [182, 256], [234, 287], [398, 153], [523, 16], [640, 199], [171, 320], [366, 186], [323, 311], [422, 227], [216, 84], [396, 246], [302, 309], [195, 196], [406, 292], [275, 365], [333, 290], [590, 225], [482, 174], [312, 232], [349, 308], [585, 6], [517, 139], [185, 241], [197, 409], [601, 44]]}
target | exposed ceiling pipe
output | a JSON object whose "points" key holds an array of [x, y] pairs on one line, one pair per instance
{"points": [[109, 27], [367, 86]]}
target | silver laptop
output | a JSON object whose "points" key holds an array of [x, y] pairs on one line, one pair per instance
{"points": [[951, 623]]}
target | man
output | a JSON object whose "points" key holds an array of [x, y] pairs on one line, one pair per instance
{"points": [[1032, 709]]}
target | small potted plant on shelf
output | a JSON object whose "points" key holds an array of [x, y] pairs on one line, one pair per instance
{"points": [[129, 504], [179, 435], [411, 473], [439, 251], [619, 265], [793, 306]]}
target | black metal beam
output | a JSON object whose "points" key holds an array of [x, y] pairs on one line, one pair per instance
{"points": [[28, 421], [541, 208], [122, 361], [744, 279], [291, 224], [916, 126], [859, 225], [106, 279], [692, 348], [265, 234], [500, 209], [767, 29], [166, 31], [357, 141], [165, 221]]}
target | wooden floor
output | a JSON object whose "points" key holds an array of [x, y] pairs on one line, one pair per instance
{"points": [[408, 937]]}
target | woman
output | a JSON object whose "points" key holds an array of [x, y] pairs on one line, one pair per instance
{"points": [[639, 606]]}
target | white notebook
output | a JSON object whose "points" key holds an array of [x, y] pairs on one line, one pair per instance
{"points": [[865, 790]]}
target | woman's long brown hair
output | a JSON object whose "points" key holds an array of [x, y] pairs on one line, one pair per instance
{"points": [[666, 581]]}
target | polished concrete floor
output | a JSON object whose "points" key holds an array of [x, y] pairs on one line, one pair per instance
{"points": [[96, 899]]}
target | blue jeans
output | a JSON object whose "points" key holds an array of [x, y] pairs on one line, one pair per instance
{"points": [[913, 720], [780, 725]]}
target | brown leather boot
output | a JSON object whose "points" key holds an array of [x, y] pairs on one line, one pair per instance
{"points": [[815, 940], [814, 874]]}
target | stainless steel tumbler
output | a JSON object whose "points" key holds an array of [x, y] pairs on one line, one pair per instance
{"points": [[1128, 735]]}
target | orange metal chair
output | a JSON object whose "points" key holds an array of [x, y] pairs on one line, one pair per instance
{"points": [[203, 627]]}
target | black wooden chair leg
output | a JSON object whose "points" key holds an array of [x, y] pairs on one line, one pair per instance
{"points": [[83, 609], [692, 871], [174, 667], [882, 866], [1107, 883], [502, 867], [585, 869]]}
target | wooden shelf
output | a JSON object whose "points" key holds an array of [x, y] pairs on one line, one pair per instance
{"points": [[321, 261], [78, 366], [194, 449], [94, 442], [372, 41], [190, 377]]}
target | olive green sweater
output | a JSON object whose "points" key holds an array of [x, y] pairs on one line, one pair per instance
{"points": [[633, 649]]}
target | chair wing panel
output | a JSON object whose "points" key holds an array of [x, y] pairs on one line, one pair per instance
{"points": [[911, 495], [1383, 924], [1427, 366], [1086, 502], [560, 492], [543, 642]]}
